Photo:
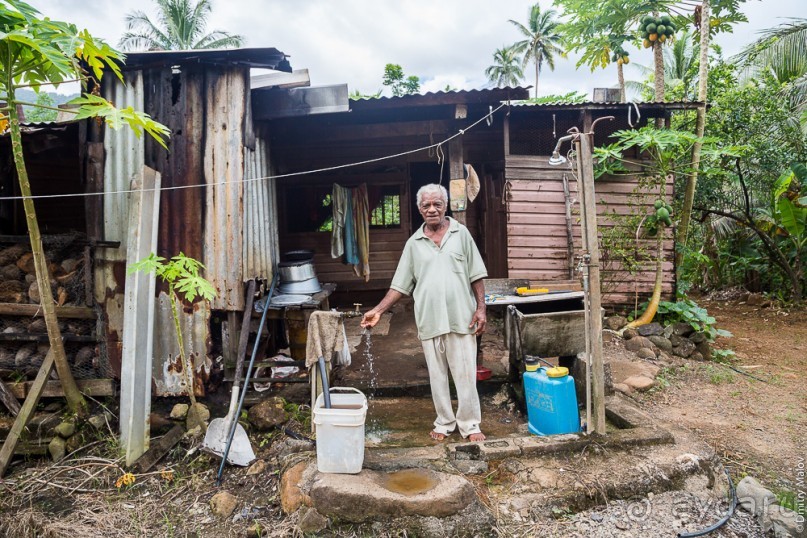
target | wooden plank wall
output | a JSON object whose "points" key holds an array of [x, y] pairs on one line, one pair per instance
{"points": [[536, 228]]}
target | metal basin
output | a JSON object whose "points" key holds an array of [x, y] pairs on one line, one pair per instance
{"points": [[298, 271]]}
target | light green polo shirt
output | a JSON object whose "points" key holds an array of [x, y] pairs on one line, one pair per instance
{"points": [[439, 279]]}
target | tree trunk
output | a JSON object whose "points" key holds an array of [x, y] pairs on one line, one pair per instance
{"points": [[700, 125], [620, 72], [537, 74], [658, 82], [75, 400]]}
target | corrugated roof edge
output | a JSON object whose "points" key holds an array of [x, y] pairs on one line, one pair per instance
{"points": [[263, 57], [454, 97], [680, 105]]}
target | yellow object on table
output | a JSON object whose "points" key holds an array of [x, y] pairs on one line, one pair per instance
{"points": [[531, 291]]}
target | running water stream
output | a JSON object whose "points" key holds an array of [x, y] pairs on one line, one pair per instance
{"points": [[368, 358]]}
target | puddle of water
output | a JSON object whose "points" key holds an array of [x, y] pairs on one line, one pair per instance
{"points": [[410, 481]]}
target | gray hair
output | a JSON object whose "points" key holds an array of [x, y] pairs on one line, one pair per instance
{"points": [[432, 188]]}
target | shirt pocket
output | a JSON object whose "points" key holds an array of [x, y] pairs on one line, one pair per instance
{"points": [[457, 262]]}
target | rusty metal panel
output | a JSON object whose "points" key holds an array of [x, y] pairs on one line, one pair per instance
{"points": [[225, 112], [167, 376], [260, 214]]}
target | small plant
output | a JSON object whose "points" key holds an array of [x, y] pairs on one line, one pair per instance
{"points": [[719, 377], [723, 355], [688, 311], [181, 273]]}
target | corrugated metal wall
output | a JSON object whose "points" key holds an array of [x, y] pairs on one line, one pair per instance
{"points": [[260, 214], [124, 160], [536, 228]]}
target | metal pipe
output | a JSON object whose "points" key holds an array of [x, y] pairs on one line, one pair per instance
{"points": [[556, 157]]}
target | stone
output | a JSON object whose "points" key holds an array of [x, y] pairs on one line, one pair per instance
{"points": [[614, 322], [222, 504], [65, 429], [651, 329], [639, 382], [786, 523], [268, 414], [646, 353], [755, 299], [697, 338], [685, 349], [753, 497], [627, 334], [471, 466], [609, 336], [74, 442], [312, 522], [696, 356], [97, 421], [661, 342], [681, 329], [291, 496], [676, 340], [373, 496], [198, 415], [56, 448], [705, 350], [179, 411], [623, 388], [637, 343], [256, 468]]}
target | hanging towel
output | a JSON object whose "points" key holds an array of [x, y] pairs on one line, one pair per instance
{"points": [[339, 208], [343, 357], [351, 250], [361, 218], [325, 336]]}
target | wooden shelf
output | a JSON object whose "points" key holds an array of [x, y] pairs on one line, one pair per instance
{"points": [[31, 310]]}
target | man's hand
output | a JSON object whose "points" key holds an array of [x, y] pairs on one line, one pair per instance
{"points": [[480, 320], [370, 318]]}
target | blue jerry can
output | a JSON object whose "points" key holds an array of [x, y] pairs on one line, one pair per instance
{"points": [[551, 400]]}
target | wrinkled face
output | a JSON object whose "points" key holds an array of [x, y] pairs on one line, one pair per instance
{"points": [[432, 208]]}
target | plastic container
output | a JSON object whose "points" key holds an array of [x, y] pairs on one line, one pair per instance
{"points": [[340, 431], [551, 400]]}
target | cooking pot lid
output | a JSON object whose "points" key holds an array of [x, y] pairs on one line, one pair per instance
{"points": [[290, 300], [297, 256], [295, 263]]}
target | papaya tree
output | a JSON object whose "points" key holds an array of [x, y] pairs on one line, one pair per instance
{"points": [[36, 51]]}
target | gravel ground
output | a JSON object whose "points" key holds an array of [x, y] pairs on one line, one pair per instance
{"points": [[663, 515]]}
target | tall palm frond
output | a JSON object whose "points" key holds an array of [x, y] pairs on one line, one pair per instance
{"points": [[180, 26], [542, 40], [505, 70]]}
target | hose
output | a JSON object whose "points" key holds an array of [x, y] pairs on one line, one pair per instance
{"points": [[715, 526]]}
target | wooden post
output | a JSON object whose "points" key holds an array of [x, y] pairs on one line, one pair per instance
{"points": [[567, 200], [589, 214], [456, 170], [138, 318]]}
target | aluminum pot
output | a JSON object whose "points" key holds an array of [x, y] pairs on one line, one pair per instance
{"points": [[297, 256], [296, 271]]}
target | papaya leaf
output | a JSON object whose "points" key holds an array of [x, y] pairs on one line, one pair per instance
{"points": [[792, 217]]}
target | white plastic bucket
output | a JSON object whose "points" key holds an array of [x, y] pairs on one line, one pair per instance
{"points": [[340, 431]]}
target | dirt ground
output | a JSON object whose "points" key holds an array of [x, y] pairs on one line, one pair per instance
{"points": [[758, 427]]}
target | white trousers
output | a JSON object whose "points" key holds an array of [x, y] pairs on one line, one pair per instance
{"points": [[455, 353]]}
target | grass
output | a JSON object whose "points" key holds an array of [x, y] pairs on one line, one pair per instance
{"points": [[790, 499], [718, 376]]}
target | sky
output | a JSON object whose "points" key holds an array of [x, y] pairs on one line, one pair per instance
{"points": [[443, 42]]}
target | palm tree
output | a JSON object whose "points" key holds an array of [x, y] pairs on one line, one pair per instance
{"points": [[542, 40], [783, 52], [506, 70], [180, 26], [679, 62]]}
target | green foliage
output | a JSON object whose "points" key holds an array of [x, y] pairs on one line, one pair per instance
{"points": [[181, 273], [40, 114], [571, 97], [542, 40], [505, 70], [398, 83], [356, 95], [94, 106], [688, 311]]}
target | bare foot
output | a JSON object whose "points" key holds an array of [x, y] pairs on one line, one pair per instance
{"points": [[437, 436], [476, 437]]}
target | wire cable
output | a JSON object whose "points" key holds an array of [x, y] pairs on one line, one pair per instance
{"points": [[437, 146]]}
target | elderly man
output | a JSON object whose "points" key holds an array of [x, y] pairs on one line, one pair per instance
{"points": [[442, 270]]}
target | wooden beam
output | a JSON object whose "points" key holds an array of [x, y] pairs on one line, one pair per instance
{"points": [[456, 170], [159, 449], [26, 412], [9, 400], [11, 337], [53, 389], [374, 131], [31, 310]]}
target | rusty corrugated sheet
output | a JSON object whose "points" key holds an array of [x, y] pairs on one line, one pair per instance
{"points": [[167, 366], [225, 111], [260, 214]]}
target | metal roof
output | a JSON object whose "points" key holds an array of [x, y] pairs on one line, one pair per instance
{"points": [[459, 97], [611, 105], [269, 58]]}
